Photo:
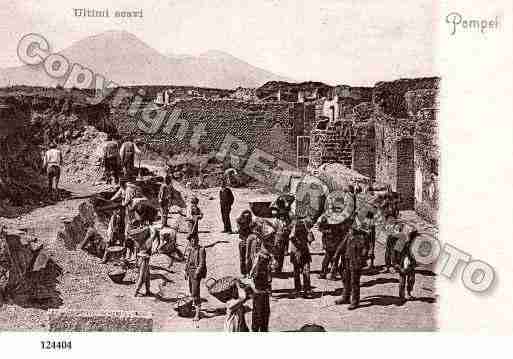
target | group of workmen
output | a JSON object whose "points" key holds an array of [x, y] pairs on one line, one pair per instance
{"points": [[348, 244], [116, 160]]}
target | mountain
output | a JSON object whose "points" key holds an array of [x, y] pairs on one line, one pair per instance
{"points": [[123, 58]]}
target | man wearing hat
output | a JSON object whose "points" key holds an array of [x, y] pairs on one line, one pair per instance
{"points": [[226, 201], [52, 161], [354, 258]]}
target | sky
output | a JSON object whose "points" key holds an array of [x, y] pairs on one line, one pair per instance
{"points": [[354, 42]]}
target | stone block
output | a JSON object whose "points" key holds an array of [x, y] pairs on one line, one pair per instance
{"points": [[62, 320]]}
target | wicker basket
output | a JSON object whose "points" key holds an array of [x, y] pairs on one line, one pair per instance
{"points": [[311, 327], [184, 307], [117, 275], [221, 289]]}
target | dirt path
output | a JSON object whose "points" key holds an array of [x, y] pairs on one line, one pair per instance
{"points": [[84, 283]]}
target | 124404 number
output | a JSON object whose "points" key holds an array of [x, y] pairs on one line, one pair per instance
{"points": [[55, 345]]}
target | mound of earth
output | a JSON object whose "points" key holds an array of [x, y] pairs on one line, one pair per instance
{"points": [[82, 156]]}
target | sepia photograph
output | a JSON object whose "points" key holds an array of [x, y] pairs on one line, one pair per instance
{"points": [[223, 166]]}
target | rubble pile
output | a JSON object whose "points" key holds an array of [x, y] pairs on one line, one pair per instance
{"points": [[82, 156], [27, 274], [28, 124], [21, 178]]}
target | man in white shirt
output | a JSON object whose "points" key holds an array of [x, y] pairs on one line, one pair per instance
{"points": [[127, 154], [111, 159], [52, 162]]}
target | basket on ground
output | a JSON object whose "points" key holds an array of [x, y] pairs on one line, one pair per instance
{"points": [[222, 289], [184, 307], [117, 275]]}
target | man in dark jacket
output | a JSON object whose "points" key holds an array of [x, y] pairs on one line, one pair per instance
{"points": [[355, 255], [330, 241], [261, 275], [404, 261], [226, 201], [244, 227]]}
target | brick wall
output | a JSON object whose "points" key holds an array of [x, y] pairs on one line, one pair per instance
{"points": [[334, 144], [346, 143], [251, 122]]}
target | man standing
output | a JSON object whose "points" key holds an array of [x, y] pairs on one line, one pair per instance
{"points": [[226, 201], [165, 197], [144, 255], [133, 201], [127, 156], [253, 244], [329, 244], [300, 238], [244, 228], [144, 274], [195, 271], [343, 228], [405, 262], [115, 232], [52, 162], [261, 275], [281, 223], [111, 159], [354, 258]]}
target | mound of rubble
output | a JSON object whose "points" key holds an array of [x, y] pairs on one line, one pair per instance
{"points": [[82, 156], [28, 123], [27, 275]]}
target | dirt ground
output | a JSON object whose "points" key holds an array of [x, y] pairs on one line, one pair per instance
{"points": [[84, 283]]}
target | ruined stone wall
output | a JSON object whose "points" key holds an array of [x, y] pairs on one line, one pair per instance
{"points": [[334, 144], [297, 115], [427, 156], [404, 118], [309, 119], [391, 155], [364, 151], [340, 140], [251, 122]]}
